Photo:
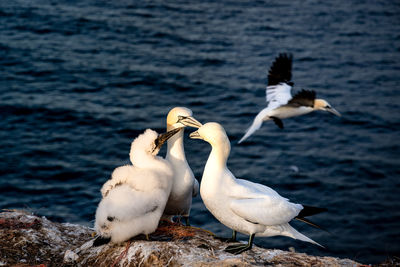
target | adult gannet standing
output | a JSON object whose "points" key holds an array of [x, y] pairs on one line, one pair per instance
{"points": [[241, 205], [281, 104], [185, 185], [135, 196]]}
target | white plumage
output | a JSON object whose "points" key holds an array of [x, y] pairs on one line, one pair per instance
{"points": [[241, 205], [135, 196], [278, 95], [281, 104], [185, 186]]}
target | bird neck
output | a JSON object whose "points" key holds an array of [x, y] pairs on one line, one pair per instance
{"points": [[216, 173], [175, 147], [219, 154]]}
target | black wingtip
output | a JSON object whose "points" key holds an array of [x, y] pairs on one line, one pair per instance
{"points": [[310, 210], [99, 241], [303, 98], [281, 69], [286, 56]]}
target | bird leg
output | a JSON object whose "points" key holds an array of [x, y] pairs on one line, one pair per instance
{"points": [[186, 218], [237, 249], [228, 240]]}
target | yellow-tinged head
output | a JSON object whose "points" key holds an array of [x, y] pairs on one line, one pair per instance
{"points": [[212, 133], [180, 117], [321, 104]]}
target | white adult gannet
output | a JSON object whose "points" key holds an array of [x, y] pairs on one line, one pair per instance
{"points": [[281, 104], [241, 205], [135, 196], [185, 186]]}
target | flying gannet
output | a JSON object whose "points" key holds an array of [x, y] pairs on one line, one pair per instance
{"points": [[135, 196], [281, 104], [241, 205], [185, 186]]}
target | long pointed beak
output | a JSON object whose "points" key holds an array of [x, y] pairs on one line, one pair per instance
{"points": [[189, 121], [195, 135], [334, 111], [162, 138]]}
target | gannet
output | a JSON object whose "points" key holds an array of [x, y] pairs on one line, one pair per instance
{"points": [[185, 186], [135, 196], [281, 104], [241, 205]]}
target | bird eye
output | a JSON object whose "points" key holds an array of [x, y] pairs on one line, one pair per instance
{"points": [[328, 107], [110, 219]]}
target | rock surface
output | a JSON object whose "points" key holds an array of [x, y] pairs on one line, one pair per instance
{"points": [[28, 240]]}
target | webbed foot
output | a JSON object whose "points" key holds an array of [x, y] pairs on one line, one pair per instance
{"points": [[227, 240], [237, 249]]}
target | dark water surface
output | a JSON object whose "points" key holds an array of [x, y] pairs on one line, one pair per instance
{"points": [[80, 79]]}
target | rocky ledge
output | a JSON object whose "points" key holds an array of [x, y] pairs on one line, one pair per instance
{"points": [[29, 240]]}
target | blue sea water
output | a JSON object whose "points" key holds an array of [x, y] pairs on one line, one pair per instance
{"points": [[79, 80]]}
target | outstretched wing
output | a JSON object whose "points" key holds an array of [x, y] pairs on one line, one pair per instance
{"points": [[281, 70], [303, 98], [279, 81]]}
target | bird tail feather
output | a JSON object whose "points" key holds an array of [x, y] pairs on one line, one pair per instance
{"points": [[254, 127], [307, 221], [293, 233]]}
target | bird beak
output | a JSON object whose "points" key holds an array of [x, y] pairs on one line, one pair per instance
{"points": [[334, 111], [189, 121], [195, 135], [162, 138]]}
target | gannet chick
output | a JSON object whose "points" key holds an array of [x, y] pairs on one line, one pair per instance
{"points": [[185, 186], [135, 197], [281, 104], [241, 205]]}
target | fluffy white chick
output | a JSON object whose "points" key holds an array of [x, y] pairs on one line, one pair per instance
{"points": [[135, 197]]}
